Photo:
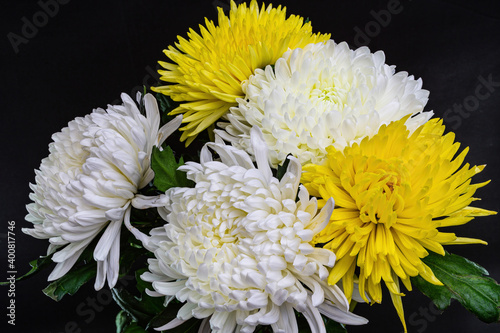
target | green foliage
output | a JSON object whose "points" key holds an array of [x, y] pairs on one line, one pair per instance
{"points": [[154, 305], [280, 172], [124, 324], [84, 269], [71, 281], [165, 104], [131, 252], [37, 265], [464, 281], [147, 312], [138, 311], [134, 328], [165, 164], [122, 321]]}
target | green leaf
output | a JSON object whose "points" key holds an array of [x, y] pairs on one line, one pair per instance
{"points": [[36, 266], [131, 305], [139, 309], [134, 328], [441, 296], [165, 165], [464, 281], [280, 172], [152, 305], [122, 321], [143, 285], [165, 103], [71, 281], [131, 253]]}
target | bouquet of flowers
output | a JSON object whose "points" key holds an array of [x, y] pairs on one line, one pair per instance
{"points": [[274, 181]]}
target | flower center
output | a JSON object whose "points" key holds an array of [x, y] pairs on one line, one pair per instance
{"points": [[390, 180], [378, 197], [334, 95], [218, 239]]}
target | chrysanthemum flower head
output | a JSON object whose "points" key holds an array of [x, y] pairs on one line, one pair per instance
{"points": [[321, 95], [236, 248], [206, 70], [392, 193], [86, 185]]}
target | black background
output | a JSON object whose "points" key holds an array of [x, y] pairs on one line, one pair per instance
{"points": [[90, 51]]}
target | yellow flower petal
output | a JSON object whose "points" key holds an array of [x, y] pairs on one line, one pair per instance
{"points": [[392, 192], [210, 66]]}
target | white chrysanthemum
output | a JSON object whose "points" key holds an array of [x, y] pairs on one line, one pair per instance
{"points": [[236, 247], [86, 185], [325, 94]]}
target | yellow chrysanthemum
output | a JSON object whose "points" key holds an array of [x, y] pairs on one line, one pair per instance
{"points": [[208, 69], [392, 193]]}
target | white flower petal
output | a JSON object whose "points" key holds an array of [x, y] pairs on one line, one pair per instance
{"points": [[171, 324], [100, 279], [114, 262], [64, 266], [95, 167], [238, 244], [167, 129], [324, 94], [314, 318], [205, 326], [107, 239], [341, 316]]}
